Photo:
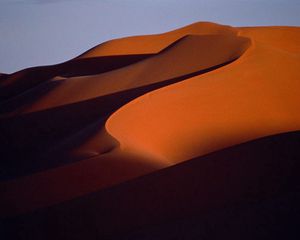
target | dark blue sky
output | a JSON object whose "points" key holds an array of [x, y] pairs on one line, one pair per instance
{"points": [[39, 32]]}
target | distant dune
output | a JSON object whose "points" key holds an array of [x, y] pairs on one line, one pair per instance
{"points": [[189, 134]]}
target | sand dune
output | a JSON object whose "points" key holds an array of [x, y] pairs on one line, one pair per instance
{"points": [[141, 134], [251, 97], [214, 189]]}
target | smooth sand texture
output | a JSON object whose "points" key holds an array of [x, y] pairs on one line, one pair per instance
{"points": [[150, 105]]}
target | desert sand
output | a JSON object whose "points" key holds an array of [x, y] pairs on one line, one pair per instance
{"points": [[180, 135]]}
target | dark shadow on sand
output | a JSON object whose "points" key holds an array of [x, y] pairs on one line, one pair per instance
{"points": [[248, 191]]}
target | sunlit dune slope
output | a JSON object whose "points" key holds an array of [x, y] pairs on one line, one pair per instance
{"points": [[152, 105], [187, 56], [257, 95], [156, 42], [107, 56]]}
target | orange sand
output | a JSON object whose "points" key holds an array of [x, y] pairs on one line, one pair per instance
{"points": [[136, 105]]}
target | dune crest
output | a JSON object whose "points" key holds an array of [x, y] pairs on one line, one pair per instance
{"points": [[250, 98], [136, 113]]}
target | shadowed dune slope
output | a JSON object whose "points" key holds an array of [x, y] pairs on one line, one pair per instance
{"points": [[214, 191], [95, 95], [3, 75], [14, 84], [188, 55], [115, 53], [142, 134]]}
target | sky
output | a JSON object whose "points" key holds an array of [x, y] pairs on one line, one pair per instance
{"points": [[43, 32]]}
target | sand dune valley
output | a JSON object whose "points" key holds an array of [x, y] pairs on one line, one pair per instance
{"points": [[189, 134]]}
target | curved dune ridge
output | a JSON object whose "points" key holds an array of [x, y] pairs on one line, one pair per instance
{"points": [[152, 130]]}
